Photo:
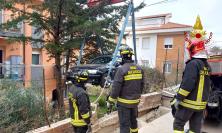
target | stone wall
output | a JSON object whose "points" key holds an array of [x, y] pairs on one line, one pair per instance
{"points": [[108, 123]]}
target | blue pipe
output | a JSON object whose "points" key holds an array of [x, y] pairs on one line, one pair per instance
{"points": [[129, 11]]}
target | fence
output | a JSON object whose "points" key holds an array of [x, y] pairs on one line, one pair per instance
{"points": [[31, 75], [15, 72]]}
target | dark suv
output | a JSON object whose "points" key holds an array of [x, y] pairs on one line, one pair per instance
{"points": [[98, 69]]}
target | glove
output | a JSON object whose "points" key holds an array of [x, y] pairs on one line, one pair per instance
{"points": [[107, 84], [109, 104], [89, 130], [176, 104]]}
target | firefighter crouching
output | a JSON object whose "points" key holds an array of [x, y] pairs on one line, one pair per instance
{"points": [[191, 98], [126, 90], [79, 104]]}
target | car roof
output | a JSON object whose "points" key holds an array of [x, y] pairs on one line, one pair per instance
{"points": [[100, 57]]}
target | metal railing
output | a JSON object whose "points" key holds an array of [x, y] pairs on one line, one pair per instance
{"points": [[11, 71], [14, 31]]}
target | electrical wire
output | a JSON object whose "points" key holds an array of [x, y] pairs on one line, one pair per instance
{"points": [[160, 2]]}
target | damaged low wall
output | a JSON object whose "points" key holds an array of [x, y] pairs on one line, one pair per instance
{"points": [[108, 123]]}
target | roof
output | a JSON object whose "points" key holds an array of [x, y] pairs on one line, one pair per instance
{"points": [[155, 16], [169, 25]]}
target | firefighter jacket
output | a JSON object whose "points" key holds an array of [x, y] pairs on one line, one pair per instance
{"points": [[127, 85], [195, 86], [79, 105]]}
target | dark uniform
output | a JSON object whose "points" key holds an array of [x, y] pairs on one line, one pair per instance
{"points": [[127, 88], [79, 108], [193, 95]]}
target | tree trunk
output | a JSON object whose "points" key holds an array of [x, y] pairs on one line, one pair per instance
{"points": [[59, 85]]}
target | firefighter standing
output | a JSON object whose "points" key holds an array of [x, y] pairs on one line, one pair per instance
{"points": [[191, 98], [79, 104], [126, 90]]}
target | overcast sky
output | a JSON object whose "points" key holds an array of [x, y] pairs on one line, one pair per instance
{"points": [[185, 12]]}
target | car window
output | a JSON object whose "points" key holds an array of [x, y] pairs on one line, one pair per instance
{"points": [[101, 60]]}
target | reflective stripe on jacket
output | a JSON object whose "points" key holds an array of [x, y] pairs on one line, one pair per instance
{"points": [[79, 106], [128, 85], [194, 89]]}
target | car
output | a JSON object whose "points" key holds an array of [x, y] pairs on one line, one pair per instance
{"points": [[98, 69]]}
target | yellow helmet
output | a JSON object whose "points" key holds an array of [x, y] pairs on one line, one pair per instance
{"points": [[126, 51], [82, 76]]}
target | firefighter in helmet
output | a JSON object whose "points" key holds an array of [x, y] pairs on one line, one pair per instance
{"points": [[126, 91], [79, 103], [191, 97]]}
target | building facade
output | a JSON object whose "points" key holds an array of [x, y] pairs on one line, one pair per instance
{"points": [[159, 43]]}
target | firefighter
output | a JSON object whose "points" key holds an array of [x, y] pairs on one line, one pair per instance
{"points": [[191, 97], [126, 90], [79, 104]]}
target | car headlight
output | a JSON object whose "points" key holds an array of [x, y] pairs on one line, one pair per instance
{"points": [[92, 71]]}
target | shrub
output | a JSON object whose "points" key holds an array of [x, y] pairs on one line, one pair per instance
{"points": [[102, 101], [153, 80], [20, 109]]}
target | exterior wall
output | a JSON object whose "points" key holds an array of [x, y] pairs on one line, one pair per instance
{"points": [[170, 54], [50, 81], [16, 48], [145, 54], [10, 49]]}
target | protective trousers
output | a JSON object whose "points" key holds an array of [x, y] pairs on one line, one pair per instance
{"points": [[183, 115], [82, 129], [127, 119]]}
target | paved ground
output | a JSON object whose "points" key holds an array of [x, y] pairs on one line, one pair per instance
{"points": [[164, 125], [212, 127]]}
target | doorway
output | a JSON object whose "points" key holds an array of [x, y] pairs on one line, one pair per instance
{"points": [[1, 61]]}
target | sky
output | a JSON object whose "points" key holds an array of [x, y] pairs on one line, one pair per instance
{"points": [[185, 12]]}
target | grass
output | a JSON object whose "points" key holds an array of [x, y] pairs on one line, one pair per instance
{"points": [[92, 98], [102, 109]]}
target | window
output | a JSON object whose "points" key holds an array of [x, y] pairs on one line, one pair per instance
{"points": [[168, 67], [137, 42], [36, 58], [37, 35], [145, 63], [168, 43], [146, 43], [1, 16]]}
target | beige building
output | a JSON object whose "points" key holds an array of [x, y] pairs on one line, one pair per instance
{"points": [[158, 42]]}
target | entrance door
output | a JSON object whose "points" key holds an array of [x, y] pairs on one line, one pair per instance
{"points": [[1, 60]]}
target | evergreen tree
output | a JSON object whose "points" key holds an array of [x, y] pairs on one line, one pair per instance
{"points": [[66, 23]]}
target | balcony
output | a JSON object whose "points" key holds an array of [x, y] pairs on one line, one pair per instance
{"points": [[12, 32]]}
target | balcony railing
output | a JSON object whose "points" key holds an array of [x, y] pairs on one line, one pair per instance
{"points": [[15, 72], [12, 32]]}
